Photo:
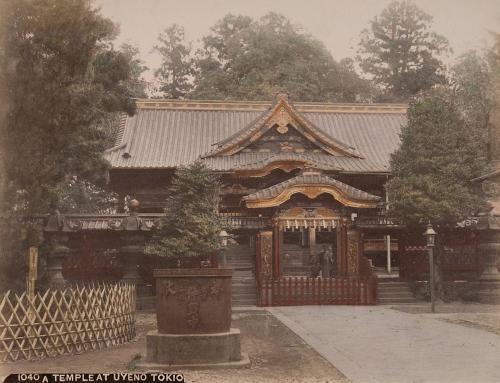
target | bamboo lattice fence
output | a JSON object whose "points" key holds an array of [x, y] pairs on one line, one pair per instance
{"points": [[69, 321]]}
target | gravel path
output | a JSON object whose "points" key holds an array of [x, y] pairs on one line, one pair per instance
{"points": [[379, 344]]}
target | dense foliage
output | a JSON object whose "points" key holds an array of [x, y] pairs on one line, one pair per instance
{"points": [[246, 59], [174, 74], [443, 147], [64, 82], [191, 224], [136, 84], [401, 53]]}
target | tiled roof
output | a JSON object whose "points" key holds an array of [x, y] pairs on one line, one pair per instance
{"points": [[311, 179], [256, 160], [280, 102], [166, 134]]}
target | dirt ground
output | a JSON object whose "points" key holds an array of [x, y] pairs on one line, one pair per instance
{"points": [[475, 315], [276, 355]]}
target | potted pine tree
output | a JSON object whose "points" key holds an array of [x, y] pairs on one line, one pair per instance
{"points": [[193, 295]]}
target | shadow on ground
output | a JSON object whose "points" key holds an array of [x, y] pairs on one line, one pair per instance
{"points": [[276, 354]]}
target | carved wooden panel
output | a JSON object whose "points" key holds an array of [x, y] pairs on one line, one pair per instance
{"points": [[265, 254], [353, 251], [283, 138]]}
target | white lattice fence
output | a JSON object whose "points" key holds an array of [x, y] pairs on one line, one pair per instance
{"points": [[68, 321]]}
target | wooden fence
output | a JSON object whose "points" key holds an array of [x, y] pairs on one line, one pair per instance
{"points": [[295, 291], [69, 321]]}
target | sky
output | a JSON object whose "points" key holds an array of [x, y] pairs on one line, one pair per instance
{"points": [[337, 23]]}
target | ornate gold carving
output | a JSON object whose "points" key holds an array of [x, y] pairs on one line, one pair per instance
{"points": [[286, 166], [352, 251], [286, 147], [300, 212], [311, 192], [266, 254], [284, 114], [283, 119]]}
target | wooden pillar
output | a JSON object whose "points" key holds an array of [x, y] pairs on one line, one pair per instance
{"points": [[353, 250], [312, 241], [341, 249], [277, 237], [264, 255], [303, 237], [402, 255], [280, 244]]}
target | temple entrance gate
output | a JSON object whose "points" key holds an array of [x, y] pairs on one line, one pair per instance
{"points": [[291, 279]]}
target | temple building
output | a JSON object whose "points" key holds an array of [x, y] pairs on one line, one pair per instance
{"points": [[299, 180]]}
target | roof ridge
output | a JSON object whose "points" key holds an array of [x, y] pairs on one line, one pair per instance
{"points": [[242, 105]]}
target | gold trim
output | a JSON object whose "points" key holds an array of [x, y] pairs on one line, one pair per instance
{"points": [[284, 114], [260, 106], [319, 213], [311, 192], [286, 166]]}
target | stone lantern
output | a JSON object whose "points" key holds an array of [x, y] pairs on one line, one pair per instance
{"points": [[132, 239], [57, 232]]}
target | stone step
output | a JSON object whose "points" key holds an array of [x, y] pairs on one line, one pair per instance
{"points": [[390, 290], [392, 283], [395, 301], [244, 280], [236, 259], [239, 297], [244, 302], [243, 286], [398, 294], [238, 293], [242, 273]]}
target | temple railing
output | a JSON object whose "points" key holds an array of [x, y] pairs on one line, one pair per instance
{"points": [[86, 222], [297, 291], [377, 221]]}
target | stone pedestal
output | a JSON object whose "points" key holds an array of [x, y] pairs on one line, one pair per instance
{"points": [[194, 350], [488, 286], [488, 292], [194, 321], [489, 248]]}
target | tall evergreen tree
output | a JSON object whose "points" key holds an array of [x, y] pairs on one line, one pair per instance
{"points": [[246, 59], [433, 166], [136, 84], [401, 53], [472, 87], [176, 67], [62, 79], [440, 153], [191, 224]]}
